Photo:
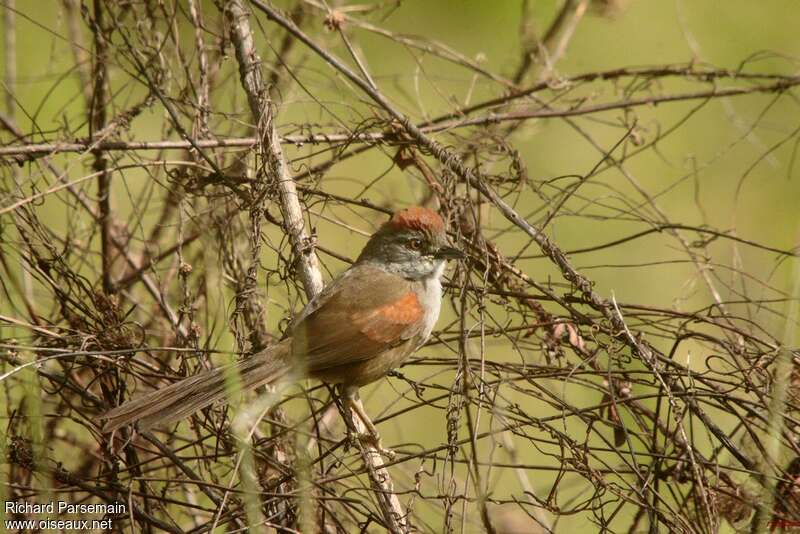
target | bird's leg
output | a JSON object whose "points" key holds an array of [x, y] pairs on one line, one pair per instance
{"points": [[353, 402], [358, 408]]}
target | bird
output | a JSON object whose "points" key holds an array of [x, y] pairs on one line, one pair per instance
{"points": [[363, 324]]}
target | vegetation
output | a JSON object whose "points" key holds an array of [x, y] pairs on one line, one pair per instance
{"points": [[617, 353]]}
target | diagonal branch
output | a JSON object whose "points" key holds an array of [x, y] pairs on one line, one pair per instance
{"points": [[262, 111], [550, 49]]}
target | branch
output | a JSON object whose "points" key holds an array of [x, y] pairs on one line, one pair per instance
{"points": [[561, 31], [97, 120], [440, 124], [261, 109], [555, 41], [455, 164]]}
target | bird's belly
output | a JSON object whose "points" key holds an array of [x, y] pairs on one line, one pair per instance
{"points": [[361, 373]]}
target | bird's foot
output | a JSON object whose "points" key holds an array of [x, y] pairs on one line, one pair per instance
{"points": [[374, 441]]}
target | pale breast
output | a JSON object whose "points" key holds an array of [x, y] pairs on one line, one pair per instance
{"points": [[430, 297]]}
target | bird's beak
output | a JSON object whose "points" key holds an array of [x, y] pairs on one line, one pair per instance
{"points": [[448, 253]]}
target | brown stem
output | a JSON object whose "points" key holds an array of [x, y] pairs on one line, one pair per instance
{"points": [[97, 116]]}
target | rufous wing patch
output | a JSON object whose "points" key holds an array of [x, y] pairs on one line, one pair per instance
{"points": [[386, 323]]}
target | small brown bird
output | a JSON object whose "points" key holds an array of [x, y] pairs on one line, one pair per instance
{"points": [[364, 323]]}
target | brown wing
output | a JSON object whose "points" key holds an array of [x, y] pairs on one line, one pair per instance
{"points": [[361, 314]]}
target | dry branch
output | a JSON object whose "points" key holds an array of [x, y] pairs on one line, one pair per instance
{"points": [[263, 113]]}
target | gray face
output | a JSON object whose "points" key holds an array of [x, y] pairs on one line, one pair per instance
{"points": [[413, 254]]}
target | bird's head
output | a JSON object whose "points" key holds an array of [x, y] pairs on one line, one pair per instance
{"points": [[413, 243]]}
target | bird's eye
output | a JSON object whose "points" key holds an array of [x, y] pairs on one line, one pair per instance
{"points": [[415, 244]]}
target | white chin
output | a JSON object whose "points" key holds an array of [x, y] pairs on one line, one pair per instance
{"points": [[439, 270]]}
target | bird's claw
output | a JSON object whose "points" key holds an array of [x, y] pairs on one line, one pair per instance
{"points": [[374, 441]]}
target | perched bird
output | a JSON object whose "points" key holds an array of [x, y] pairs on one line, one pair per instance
{"points": [[362, 325]]}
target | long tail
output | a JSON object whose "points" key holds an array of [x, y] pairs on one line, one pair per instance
{"points": [[181, 399]]}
